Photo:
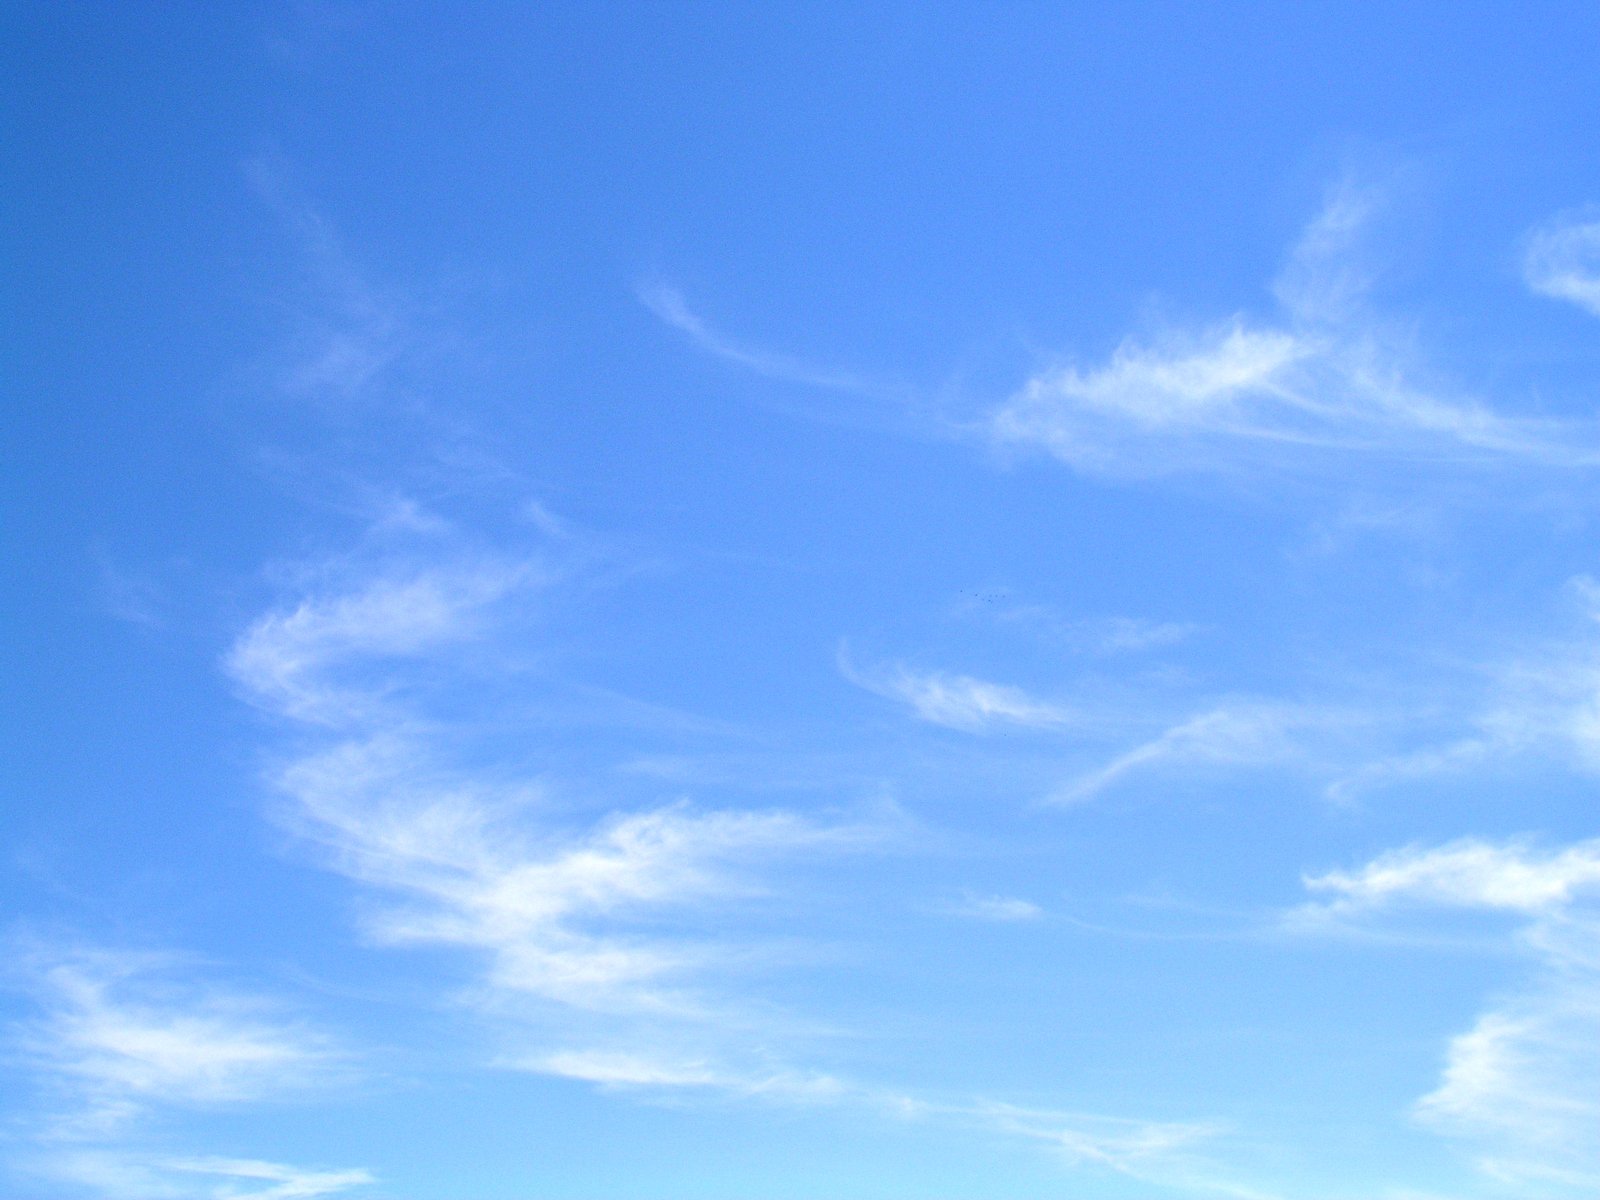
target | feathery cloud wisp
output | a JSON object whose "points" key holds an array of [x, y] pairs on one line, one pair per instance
{"points": [[959, 701], [1244, 733], [118, 1175], [1561, 259], [118, 1037], [1519, 1083], [1325, 381]]}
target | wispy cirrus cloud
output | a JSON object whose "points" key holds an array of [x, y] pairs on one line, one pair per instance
{"points": [[1095, 636], [121, 1038], [289, 660], [584, 930], [670, 306], [1164, 1153], [958, 701], [118, 1034], [1233, 733], [1519, 1084], [122, 1174], [561, 916], [600, 943], [1538, 702], [1514, 877], [979, 906], [1323, 382], [1561, 259]]}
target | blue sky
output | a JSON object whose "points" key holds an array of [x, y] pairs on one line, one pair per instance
{"points": [[751, 602]]}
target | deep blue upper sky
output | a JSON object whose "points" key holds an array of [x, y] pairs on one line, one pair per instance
{"points": [[705, 600]]}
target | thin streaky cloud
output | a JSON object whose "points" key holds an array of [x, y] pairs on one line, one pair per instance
{"points": [[1539, 704], [119, 1035], [558, 917], [668, 304], [1518, 1086], [1325, 383], [121, 1174], [1095, 636], [573, 925], [1231, 734], [958, 701], [288, 660], [979, 906], [562, 918], [1166, 1153], [1561, 259], [1324, 278], [1471, 873]]}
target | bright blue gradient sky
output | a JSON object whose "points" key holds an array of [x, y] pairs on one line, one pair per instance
{"points": [[775, 602]]}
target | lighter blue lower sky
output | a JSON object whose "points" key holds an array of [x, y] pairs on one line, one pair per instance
{"points": [[929, 601]]}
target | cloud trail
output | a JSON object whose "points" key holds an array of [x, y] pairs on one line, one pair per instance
{"points": [[1324, 384], [1519, 1085]]}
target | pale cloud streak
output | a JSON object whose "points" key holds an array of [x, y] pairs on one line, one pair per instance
{"points": [[1096, 636], [1165, 1153], [1561, 259], [1271, 396], [582, 930], [123, 1038], [287, 660], [1541, 702], [1520, 1083], [959, 701], [978, 906], [119, 1175], [669, 305], [1242, 733], [1468, 874], [551, 911], [601, 958], [118, 1037]]}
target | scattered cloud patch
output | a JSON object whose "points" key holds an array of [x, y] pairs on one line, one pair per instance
{"points": [[119, 1035], [119, 1175], [980, 907], [1561, 259], [287, 660], [1232, 734], [959, 701], [560, 916], [1519, 1085], [1468, 874], [1095, 636], [1246, 394], [668, 304]]}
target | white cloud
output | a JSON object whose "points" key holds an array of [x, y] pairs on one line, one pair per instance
{"points": [[994, 908], [1469, 874], [959, 701], [668, 304], [554, 912], [1323, 280], [1249, 394], [1241, 394], [1102, 636], [285, 659], [643, 1070], [1543, 704], [121, 1175], [1163, 1153], [1561, 259], [591, 967], [118, 1037], [1239, 733], [1520, 1083]]}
